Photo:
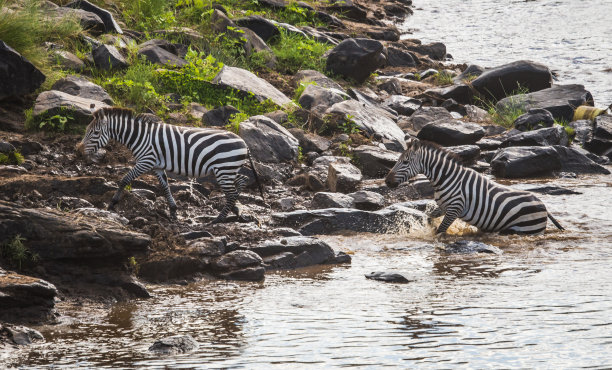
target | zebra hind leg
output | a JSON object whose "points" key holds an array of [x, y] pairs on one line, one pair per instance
{"points": [[240, 182], [228, 186], [163, 181]]}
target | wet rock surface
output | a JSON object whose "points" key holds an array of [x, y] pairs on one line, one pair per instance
{"points": [[388, 277], [297, 251], [26, 299], [470, 247], [174, 345]]}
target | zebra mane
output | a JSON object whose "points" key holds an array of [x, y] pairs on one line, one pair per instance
{"points": [[107, 111], [440, 149]]}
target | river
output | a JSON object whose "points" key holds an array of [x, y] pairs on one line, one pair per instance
{"points": [[573, 38], [545, 302]]}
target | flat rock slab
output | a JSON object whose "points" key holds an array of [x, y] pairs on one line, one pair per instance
{"points": [[294, 252], [388, 277], [470, 247], [174, 345], [560, 100], [245, 81], [450, 133], [552, 190], [82, 88], [25, 297], [52, 102]]}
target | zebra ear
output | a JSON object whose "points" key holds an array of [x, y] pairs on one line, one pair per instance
{"points": [[411, 142]]}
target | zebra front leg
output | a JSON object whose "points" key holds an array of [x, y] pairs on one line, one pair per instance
{"points": [[240, 182], [134, 173], [452, 212], [163, 181]]}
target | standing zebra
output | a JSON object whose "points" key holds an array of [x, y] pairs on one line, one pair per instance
{"points": [[464, 193], [159, 147]]}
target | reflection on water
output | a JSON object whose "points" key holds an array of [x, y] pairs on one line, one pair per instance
{"points": [[545, 302], [568, 36]]}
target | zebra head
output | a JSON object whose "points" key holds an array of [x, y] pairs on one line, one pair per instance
{"points": [[408, 165], [97, 134]]}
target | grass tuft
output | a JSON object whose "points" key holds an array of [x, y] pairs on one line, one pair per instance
{"points": [[294, 52]]}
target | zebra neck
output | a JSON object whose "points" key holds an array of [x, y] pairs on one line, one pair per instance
{"points": [[132, 133], [437, 167]]}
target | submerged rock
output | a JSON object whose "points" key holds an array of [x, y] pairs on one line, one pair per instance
{"points": [[470, 246], [21, 335], [389, 277], [297, 251], [174, 345]]}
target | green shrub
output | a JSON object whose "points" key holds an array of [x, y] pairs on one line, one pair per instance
{"points": [[235, 120], [295, 52], [17, 253], [300, 90], [57, 123], [147, 15], [443, 78], [11, 158]]}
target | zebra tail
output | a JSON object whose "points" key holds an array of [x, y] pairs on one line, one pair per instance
{"points": [[555, 222], [256, 177]]}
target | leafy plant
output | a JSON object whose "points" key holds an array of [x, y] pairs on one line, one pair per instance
{"points": [[300, 90], [295, 52], [301, 158], [235, 120], [17, 253], [348, 126], [133, 266], [148, 15], [13, 157]]}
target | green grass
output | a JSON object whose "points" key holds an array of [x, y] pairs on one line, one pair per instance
{"points": [[505, 116], [16, 253], [235, 120], [294, 52], [443, 78], [147, 15], [27, 28]]}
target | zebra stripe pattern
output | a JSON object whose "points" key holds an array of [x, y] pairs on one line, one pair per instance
{"points": [[159, 147], [466, 194]]}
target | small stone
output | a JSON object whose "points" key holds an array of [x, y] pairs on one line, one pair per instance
{"points": [[174, 345], [389, 277]]}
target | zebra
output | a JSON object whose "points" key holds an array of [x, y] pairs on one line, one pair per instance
{"points": [[466, 194], [160, 147]]}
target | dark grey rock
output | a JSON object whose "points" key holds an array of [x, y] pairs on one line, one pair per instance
{"points": [[21, 335], [534, 119], [348, 9], [108, 57], [467, 153], [488, 144], [601, 140], [472, 71], [374, 161], [317, 96], [499, 82], [107, 18], [397, 57], [294, 252], [469, 247], [219, 117], [90, 21], [67, 60], [268, 141], [158, 55], [572, 160], [310, 142], [331, 200], [436, 50], [18, 75], [343, 177], [388, 277], [356, 58], [462, 93], [174, 345], [525, 161], [367, 200], [449, 133], [164, 44], [6, 147], [552, 190], [83, 88], [54, 102], [402, 104], [390, 85], [28, 297], [260, 25], [245, 81], [555, 135], [559, 100], [386, 34], [425, 115]]}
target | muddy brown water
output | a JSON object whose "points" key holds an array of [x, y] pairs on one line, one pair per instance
{"points": [[545, 302]]}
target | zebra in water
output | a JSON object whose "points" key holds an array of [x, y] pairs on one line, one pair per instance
{"points": [[464, 193], [159, 147]]}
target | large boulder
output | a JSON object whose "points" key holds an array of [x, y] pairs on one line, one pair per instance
{"points": [[158, 55], [461, 93], [436, 50], [343, 177], [245, 81], [450, 133], [331, 200], [560, 100], [375, 162], [107, 18], [555, 135], [600, 142], [496, 83], [397, 57], [56, 235], [574, 160], [317, 96], [534, 119], [83, 88], [90, 21], [356, 58], [18, 75], [372, 120], [25, 298], [425, 115], [52, 102], [268, 141], [393, 219], [525, 161], [294, 252], [239, 265], [108, 57]]}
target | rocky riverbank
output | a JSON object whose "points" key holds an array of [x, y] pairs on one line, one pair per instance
{"points": [[321, 144]]}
